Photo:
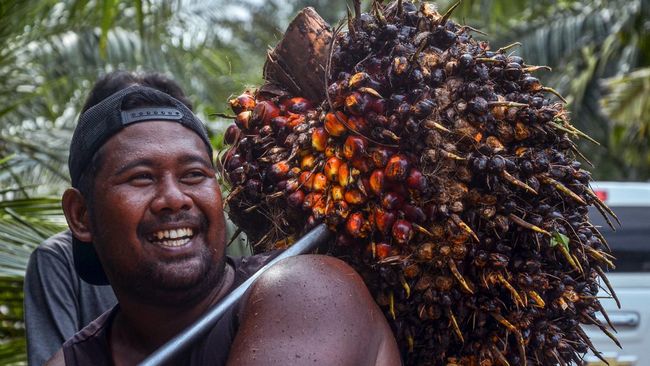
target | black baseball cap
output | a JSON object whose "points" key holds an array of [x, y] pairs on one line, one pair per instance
{"points": [[95, 126]]}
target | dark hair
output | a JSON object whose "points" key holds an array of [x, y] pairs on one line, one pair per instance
{"points": [[114, 82]]}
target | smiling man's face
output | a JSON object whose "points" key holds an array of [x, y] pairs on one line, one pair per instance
{"points": [[156, 219]]}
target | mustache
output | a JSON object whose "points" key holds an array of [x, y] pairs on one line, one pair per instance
{"points": [[182, 219]]}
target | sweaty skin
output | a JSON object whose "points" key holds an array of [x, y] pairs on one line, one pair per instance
{"points": [[312, 310]]}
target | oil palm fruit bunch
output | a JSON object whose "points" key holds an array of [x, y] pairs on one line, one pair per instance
{"points": [[449, 174]]}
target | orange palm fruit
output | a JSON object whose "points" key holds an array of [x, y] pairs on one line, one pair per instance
{"points": [[319, 182], [345, 175], [311, 199], [382, 250], [319, 139], [355, 103], [358, 79], [377, 182], [294, 120], [244, 102], [337, 193], [384, 220], [331, 168], [380, 156], [243, 120], [306, 179], [265, 111], [334, 123], [307, 162], [354, 197], [278, 171]]}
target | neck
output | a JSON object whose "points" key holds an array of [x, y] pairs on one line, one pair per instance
{"points": [[140, 327]]}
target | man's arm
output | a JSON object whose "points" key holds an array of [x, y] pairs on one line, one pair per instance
{"points": [[312, 310]]}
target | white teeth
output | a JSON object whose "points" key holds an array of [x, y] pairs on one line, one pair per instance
{"points": [[174, 243], [185, 234]]}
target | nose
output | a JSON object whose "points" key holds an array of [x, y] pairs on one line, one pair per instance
{"points": [[170, 197]]}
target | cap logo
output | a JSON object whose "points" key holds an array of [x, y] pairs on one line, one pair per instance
{"points": [[150, 113]]}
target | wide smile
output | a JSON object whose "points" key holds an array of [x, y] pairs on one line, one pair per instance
{"points": [[172, 237]]}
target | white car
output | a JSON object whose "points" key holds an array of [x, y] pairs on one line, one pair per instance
{"points": [[631, 278]]}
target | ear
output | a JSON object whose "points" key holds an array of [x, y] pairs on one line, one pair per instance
{"points": [[76, 213]]}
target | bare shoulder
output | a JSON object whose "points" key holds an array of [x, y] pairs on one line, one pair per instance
{"points": [[57, 360], [316, 309]]}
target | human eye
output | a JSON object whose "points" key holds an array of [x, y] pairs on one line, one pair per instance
{"points": [[194, 176], [140, 179]]}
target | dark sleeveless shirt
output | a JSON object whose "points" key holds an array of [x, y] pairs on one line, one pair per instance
{"points": [[90, 345]]}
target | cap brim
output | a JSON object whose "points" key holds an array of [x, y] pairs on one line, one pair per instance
{"points": [[87, 264]]}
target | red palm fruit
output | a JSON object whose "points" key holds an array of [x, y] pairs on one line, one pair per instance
{"points": [[281, 186], [331, 168], [354, 197], [320, 182], [232, 134], [397, 168], [414, 213], [380, 156], [297, 105], [416, 180], [392, 201], [319, 139], [311, 199], [265, 111], [296, 199], [278, 171], [384, 220], [357, 225], [402, 231], [337, 193], [243, 120], [362, 164], [382, 250], [354, 146], [377, 182], [294, 120], [334, 123], [307, 162], [358, 124], [244, 102], [355, 104], [306, 179]]}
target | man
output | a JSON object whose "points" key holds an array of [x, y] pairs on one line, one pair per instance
{"points": [[58, 303], [146, 203]]}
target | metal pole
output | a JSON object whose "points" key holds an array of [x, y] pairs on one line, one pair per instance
{"points": [[202, 326]]}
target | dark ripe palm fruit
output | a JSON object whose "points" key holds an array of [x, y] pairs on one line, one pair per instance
{"points": [[296, 199], [319, 139], [402, 232], [416, 180], [334, 123], [397, 168], [354, 147], [244, 102], [231, 135], [264, 112], [451, 180]]}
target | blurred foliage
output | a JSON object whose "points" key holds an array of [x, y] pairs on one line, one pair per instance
{"points": [[52, 51]]}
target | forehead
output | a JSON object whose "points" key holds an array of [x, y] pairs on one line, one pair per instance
{"points": [[159, 139]]}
